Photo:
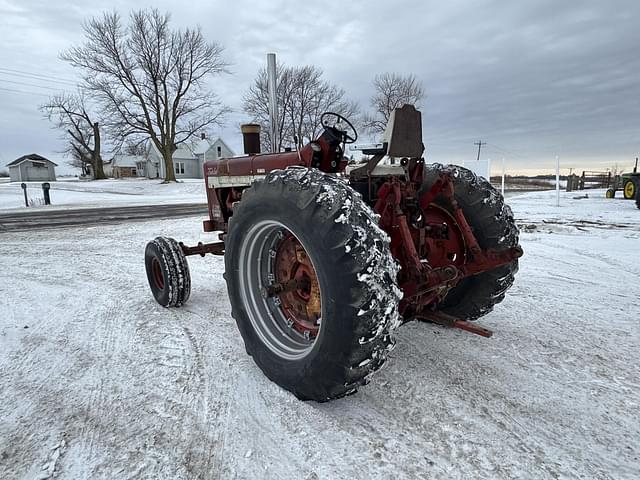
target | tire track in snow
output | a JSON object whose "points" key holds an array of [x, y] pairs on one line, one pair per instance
{"points": [[97, 406], [175, 356], [32, 379], [207, 460]]}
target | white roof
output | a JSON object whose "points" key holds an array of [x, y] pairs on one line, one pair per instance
{"points": [[201, 146], [127, 160], [183, 152], [225, 145]]}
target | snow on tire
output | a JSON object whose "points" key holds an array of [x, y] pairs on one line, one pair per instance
{"points": [[167, 272], [312, 283], [494, 228]]}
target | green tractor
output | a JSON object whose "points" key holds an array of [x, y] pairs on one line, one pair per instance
{"points": [[629, 183]]}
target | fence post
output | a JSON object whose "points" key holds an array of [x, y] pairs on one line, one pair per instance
{"points": [[557, 181]]}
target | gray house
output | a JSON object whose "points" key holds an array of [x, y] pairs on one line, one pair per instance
{"points": [[187, 162], [206, 150], [32, 168]]}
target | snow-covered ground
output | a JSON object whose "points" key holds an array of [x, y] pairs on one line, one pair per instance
{"points": [[71, 193], [98, 381]]}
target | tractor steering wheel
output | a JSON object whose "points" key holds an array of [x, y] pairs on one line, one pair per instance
{"points": [[337, 122]]}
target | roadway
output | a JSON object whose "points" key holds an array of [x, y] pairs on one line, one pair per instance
{"points": [[43, 218]]}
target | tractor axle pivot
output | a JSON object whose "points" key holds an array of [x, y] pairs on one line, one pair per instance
{"points": [[215, 248]]}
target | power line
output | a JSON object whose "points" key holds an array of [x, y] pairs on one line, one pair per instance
{"points": [[22, 91], [31, 85], [37, 76], [505, 151], [41, 75]]}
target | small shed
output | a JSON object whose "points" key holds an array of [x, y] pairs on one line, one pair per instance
{"points": [[32, 168], [123, 166]]}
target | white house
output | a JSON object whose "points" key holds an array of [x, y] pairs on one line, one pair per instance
{"points": [[107, 168], [187, 161], [207, 150]]}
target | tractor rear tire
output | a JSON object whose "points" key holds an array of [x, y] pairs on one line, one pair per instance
{"points": [[629, 190], [348, 264], [494, 228], [167, 272], [638, 198]]}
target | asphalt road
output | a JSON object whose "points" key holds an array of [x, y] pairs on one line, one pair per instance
{"points": [[41, 219]]}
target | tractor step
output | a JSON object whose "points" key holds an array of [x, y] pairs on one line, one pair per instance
{"points": [[453, 322]]}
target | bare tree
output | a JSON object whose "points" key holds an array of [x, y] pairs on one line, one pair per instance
{"points": [[616, 170], [71, 114], [134, 148], [391, 91], [150, 80], [302, 95], [79, 158]]}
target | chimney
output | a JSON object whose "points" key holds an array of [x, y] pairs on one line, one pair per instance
{"points": [[251, 138]]}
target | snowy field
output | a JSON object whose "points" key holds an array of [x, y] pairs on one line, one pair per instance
{"points": [[72, 193], [99, 382]]}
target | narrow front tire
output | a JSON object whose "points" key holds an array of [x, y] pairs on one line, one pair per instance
{"points": [[167, 272]]}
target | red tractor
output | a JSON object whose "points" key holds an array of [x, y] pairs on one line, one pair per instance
{"points": [[324, 260]]}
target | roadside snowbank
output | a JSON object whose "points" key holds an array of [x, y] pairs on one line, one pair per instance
{"points": [[104, 193]]}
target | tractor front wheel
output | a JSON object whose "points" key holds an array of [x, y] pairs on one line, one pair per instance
{"points": [[312, 283], [167, 272]]}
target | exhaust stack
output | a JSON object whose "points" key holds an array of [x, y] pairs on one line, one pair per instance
{"points": [[273, 100], [250, 138]]}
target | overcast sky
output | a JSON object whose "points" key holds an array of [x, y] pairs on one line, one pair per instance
{"points": [[533, 79]]}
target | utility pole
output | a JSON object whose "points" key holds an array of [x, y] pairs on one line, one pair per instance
{"points": [[479, 143]]}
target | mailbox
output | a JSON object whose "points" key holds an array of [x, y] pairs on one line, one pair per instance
{"points": [[24, 190]]}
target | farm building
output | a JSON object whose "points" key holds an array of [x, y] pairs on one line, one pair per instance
{"points": [[32, 168], [124, 166]]}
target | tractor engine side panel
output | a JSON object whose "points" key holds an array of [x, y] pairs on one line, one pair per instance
{"points": [[226, 178]]}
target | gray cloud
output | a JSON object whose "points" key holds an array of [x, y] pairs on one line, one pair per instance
{"points": [[533, 79]]}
